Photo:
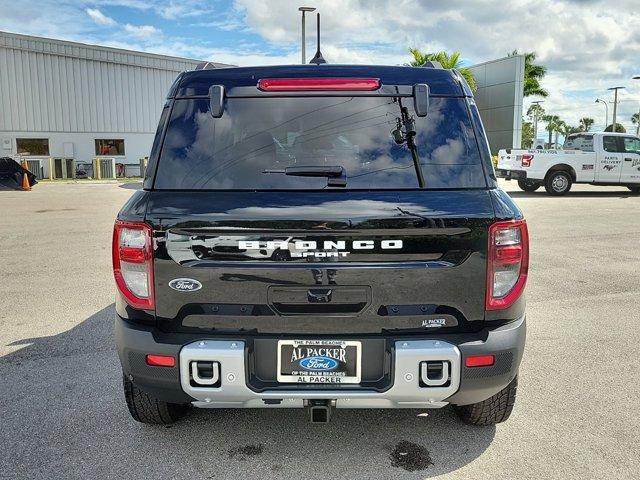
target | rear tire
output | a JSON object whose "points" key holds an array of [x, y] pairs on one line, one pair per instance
{"points": [[635, 189], [493, 410], [199, 252], [145, 408], [558, 183], [529, 185]]}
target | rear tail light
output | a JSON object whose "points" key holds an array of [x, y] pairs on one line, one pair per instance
{"points": [[508, 263], [132, 254], [317, 84], [527, 158]]}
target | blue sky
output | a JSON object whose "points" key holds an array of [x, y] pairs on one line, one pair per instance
{"points": [[587, 45]]}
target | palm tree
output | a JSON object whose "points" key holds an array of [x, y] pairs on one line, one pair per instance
{"points": [[553, 122], [535, 110], [585, 123], [560, 127], [448, 61], [567, 130], [533, 74]]}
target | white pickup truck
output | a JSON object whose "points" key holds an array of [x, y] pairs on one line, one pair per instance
{"points": [[600, 158]]}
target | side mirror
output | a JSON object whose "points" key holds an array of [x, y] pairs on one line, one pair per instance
{"points": [[421, 99], [216, 100]]}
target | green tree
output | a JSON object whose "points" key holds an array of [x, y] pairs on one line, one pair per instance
{"points": [[566, 130], [635, 118], [535, 110], [527, 134], [553, 123], [619, 128], [533, 75], [559, 129], [448, 61], [586, 123]]}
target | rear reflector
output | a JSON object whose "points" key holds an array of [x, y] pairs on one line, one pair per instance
{"points": [[480, 361], [317, 84], [161, 361], [133, 255]]}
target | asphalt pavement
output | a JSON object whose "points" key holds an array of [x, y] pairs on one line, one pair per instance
{"points": [[62, 413]]}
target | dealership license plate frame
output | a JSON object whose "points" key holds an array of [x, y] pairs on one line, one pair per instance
{"points": [[307, 379]]}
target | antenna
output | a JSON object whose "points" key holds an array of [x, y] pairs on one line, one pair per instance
{"points": [[318, 58]]}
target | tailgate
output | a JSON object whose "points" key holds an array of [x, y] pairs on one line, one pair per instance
{"points": [[320, 262], [510, 161]]}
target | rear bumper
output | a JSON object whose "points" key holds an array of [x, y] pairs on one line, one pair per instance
{"points": [[511, 174], [465, 385]]}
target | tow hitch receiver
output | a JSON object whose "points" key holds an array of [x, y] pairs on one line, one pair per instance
{"points": [[320, 410]]}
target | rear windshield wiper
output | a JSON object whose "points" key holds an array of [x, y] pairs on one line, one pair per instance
{"points": [[334, 174]]}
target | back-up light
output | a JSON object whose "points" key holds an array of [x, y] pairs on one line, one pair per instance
{"points": [[318, 84], [507, 264], [132, 254]]}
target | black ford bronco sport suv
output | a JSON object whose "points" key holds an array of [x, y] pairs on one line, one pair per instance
{"points": [[320, 236]]}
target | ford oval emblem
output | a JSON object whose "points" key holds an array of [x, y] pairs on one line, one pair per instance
{"points": [[185, 284], [318, 363]]}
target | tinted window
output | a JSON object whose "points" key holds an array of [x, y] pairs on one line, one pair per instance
{"points": [[579, 142], [631, 145], [610, 144], [32, 146], [259, 134]]}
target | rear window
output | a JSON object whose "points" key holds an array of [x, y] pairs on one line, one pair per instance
{"points": [[256, 135], [579, 141]]}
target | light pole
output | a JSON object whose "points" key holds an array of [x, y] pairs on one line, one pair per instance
{"points": [[606, 111], [535, 121], [304, 10], [637, 77], [615, 106]]}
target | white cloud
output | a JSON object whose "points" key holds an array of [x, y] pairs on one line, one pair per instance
{"points": [[183, 8], [586, 45], [142, 31], [99, 17]]}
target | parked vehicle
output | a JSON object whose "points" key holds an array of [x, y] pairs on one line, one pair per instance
{"points": [[596, 158], [12, 173], [402, 282]]}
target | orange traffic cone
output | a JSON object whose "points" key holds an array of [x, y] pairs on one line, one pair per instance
{"points": [[25, 178]]}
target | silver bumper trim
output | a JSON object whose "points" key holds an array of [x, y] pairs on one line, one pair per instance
{"points": [[406, 391]]}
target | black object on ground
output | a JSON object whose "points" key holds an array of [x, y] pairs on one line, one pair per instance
{"points": [[410, 456], [11, 173]]}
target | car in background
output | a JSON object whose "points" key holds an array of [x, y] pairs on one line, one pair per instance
{"points": [[599, 158]]}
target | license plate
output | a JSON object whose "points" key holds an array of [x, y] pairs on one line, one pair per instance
{"points": [[319, 361]]}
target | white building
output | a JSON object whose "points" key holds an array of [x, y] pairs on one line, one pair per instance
{"points": [[73, 103]]}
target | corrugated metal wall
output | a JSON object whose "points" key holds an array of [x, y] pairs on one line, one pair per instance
{"points": [[54, 86]]}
